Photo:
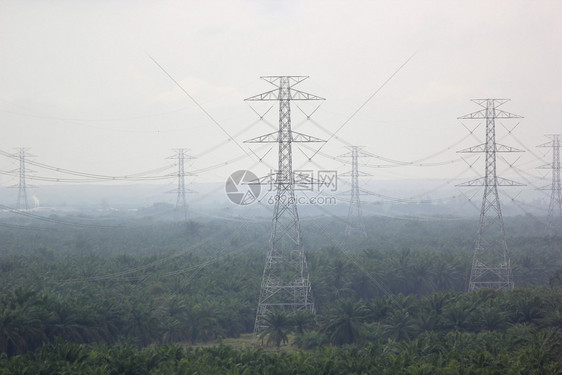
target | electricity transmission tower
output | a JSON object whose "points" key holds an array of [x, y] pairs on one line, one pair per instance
{"points": [[181, 203], [491, 266], [22, 186], [355, 225], [555, 207], [285, 283]]}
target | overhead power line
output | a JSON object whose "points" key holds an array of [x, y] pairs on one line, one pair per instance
{"points": [[200, 106]]}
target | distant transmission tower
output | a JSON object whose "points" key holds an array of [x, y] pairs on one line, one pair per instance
{"points": [[554, 225], [491, 266], [285, 284], [355, 225], [181, 203], [22, 203]]}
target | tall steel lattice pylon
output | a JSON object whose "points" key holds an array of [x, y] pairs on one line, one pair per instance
{"points": [[285, 283], [181, 203], [554, 225], [355, 225], [491, 266], [22, 203]]}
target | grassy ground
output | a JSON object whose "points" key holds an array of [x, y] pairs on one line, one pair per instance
{"points": [[246, 340]]}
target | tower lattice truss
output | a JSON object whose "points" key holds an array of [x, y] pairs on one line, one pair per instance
{"points": [[181, 203], [22, 201], [491, 266], [355, 224], [554, 225], [285, 283]]}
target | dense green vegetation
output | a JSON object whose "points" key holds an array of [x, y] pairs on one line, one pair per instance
{"points": [[142, 295]]}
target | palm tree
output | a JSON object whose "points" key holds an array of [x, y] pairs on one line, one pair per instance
{"points": [[20, 326], [419, 277], [399, 325], [176, 320], [202, 322], [142, 322], [527, 308], [277, 327], [302, 321], [344, 322], [543, 349], [428, 320], [71, 321], [436, 301], [491, 318], [552, 318], [457, 316], [444, 274], [378, 308], [11, 339], [556, 279]]}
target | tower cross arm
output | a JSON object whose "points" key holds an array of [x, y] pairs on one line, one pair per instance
{"points": [[360, 153], [476, 182], [548, 144], [479, 148], [274, 95], [482, 114], [274, 80], [26, 185], [485, 102], [504, 148], [300, 137], [175, 191], [546, 187], [274, 138], [183, 156], [359, 173], [473, 115], [482, 148], [504, 114], [301, 95], [546, 166], [499, 182], [16, 170], [505, 182], [266, 138]]}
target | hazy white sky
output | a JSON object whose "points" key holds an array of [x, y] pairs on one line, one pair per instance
{"points": [[78, 88]]}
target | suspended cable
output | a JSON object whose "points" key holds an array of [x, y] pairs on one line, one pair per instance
{"points": [[528, 149], [84, 174], [519, 204], [52, 220], [200, 107], [408, 200], [218, 146], [365, 102], [78, 180]]}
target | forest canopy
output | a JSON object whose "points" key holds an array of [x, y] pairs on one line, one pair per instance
{"points": [[157, 296]]}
